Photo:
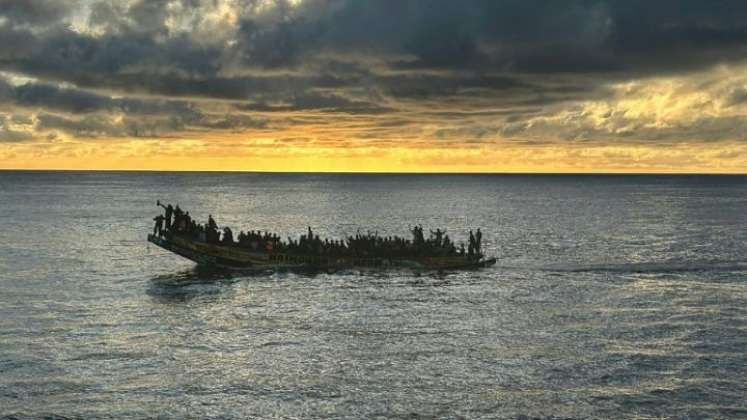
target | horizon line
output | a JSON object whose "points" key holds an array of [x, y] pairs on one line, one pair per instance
{"points": [[684, 173]]}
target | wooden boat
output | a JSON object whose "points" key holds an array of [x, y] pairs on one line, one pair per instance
{"points": [[235, 257]]}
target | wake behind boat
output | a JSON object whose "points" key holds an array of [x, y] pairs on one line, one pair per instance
{"points": [[176, 231]]}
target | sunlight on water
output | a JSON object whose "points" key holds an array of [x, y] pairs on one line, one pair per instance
{"points": [[613, 297]]}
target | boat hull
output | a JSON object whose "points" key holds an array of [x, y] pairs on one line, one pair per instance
{"points": [[233, 257]]}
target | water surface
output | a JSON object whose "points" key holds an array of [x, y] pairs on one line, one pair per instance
{"points": [[614, 296]]}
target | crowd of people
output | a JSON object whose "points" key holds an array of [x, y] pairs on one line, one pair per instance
{"points": [[175, 221]]}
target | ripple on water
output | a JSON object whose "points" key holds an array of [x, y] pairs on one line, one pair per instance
{"points": [[614, 297]]}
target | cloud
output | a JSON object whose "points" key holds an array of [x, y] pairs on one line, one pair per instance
{"points": [[82, 113], [165, 125], [360, 73], [737, 96], [9, 135], [36, 12], [140, 47], [78, 101]]}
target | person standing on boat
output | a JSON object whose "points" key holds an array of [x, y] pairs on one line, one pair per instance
{"points": [[227, 236], [178, 213], [446, 244], [169, 215], [478, 242], [437, 234], [471, 247], [169, 212], [211, 230], [158, 227], [417, 235]]}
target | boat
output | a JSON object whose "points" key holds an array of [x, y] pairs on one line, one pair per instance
{"points": [[236, 258], [227, 254]]}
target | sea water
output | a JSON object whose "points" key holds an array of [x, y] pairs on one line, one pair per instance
{"points": [[613, 296]]}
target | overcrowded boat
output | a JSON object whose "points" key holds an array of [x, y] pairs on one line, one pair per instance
{"points": [[208, 245]]}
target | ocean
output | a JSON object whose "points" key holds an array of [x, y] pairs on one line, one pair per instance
{"points": [[613, 297]]}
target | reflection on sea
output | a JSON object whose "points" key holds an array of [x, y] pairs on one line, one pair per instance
{"points": [[600, 307], [184, 285], [188, 284]]}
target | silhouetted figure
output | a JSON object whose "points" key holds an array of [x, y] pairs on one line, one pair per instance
{"points": [[169, 216], [169, 212], [437, 234], [212, 236], [177, 222], [227, 236], [186, 222], [158, 227], [478, 242], [471, 247], [417, 236], [447, 245]]}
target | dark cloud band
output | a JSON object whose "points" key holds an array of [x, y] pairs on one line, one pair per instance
{"points": [[163, 64]]}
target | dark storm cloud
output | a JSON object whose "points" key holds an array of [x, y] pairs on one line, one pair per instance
{"points": [[36, 11], [510, 35], [94, 115], [47, 96], [479, 36], [357, 57], [62, 54], [77, 101]]}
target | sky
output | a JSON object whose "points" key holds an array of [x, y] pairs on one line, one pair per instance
{"points": [[380, 85]]}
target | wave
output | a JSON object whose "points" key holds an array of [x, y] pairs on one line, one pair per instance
{"points": [[654, 267]]}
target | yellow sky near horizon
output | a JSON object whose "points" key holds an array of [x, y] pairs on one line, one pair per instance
{"points": [[588, 136], [133, 155]]}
